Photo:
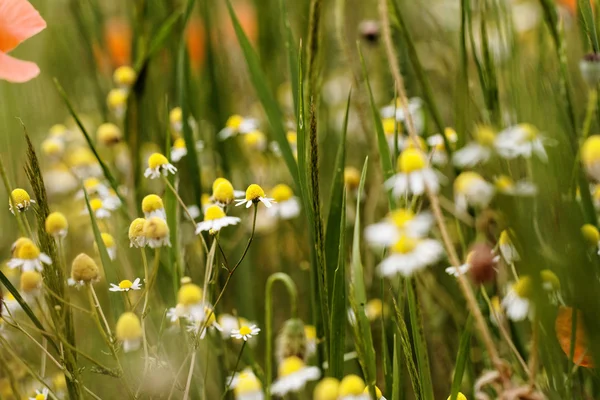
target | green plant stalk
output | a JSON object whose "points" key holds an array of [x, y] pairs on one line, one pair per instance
{"points": [[237, 363], [586, 14], [462, 358], [292, 291]]}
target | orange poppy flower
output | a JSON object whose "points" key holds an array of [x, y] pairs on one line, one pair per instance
{"points": [[117, 37], [563, 325], [18, 22], [194, 37]]}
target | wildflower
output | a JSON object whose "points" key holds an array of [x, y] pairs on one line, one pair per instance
{"points": [[414, 109], [495, 310], [111, 201], [521, 140], [21, 199], [516, 302], [398, 222], [286, 205], [235, 125], [409, 255], [245, 332], [352, 388], [53, 148], [60, 383], [83, 270], [189, 297], [591, 235], [157, 165], [11, 305], [414, 175], [156, 231], [175, 118], [18, 21], [254, 194], [129, 331], [109, 134], [478, 151], [31, 282], [99, 208], [152, 206], [56, 225], [126, 285], [590, 156], [459, 396], [124, 77], [247, 386], [179, 150], [439, 154], [58, 131], [84, 163], [209, 321], [292, 376], [310, 332], [28, 256], [378, 394], [375, 309], [41, 394], [507, 186], [229, 323], [224, 193], [136, 233], [351, 178], [507, 248], [590, 70], [471, 189], [215, 219], [109, 243], [94, 187], [117, 102], [327, 389], [292, 138], [255, 140]]}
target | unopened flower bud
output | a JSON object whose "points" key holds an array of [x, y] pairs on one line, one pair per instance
{"points": [[291, 340]]}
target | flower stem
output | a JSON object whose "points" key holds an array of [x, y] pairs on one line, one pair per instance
{"points": [[96, 304], [237, 363], [189, 378], [143, 317]]}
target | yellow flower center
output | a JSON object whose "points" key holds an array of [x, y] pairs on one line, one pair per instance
{"points": [[504, 183], [96, 204], [189, 294], [504, 238], [91, 183], [464, 181], [459, 396], [254, 138], [116, 98], [211, 316], [374, 309], [550, 278], [401, 217], [175, 115], [108, 134], [245, 330], [179, 143], [55, 223], [411, 160], [310, 331], [151, 203], [590, 151], [530, 131], [52, 147], [136, 229], [108, 239], [81, 157], [157, 160], [156, 228], [247, 383], [523, 287], [378, 393], [40, 397], [451, 135], [290, 365], [57, 131], [591, 234], [351, 385], [485, 136], [327, 389], [124, 76], [213, 212], [292, 137], [223, 192], [282, 193], [351, 177], [254, 192], [125, 284], [30, 280], [28, 251], [389, 126], [20, 196], [234, 121], [405, 245], [128, 327]]}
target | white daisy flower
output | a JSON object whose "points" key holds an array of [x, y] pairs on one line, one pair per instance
{"points": [[521, 140], [516, 302], [399, 222], [157, 232], [286, 206], [215, 219], [179, 150], [229, 323], [41, 394], [99, 208], [254, 194], [245, 332], [129, 331], [414, 175], [507, 186], [159, 165], [153, 206], [246, 386], [409, 255], [293, 375], [11, 305], [470, 189], [195, 325], [439, 154], [476, 152], [236, 124], [414, 108], [126, 285], [28, 256], [507, 249]]}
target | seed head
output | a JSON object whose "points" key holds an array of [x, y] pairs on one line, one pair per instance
{"points": [[109, 134], [85, 269]]}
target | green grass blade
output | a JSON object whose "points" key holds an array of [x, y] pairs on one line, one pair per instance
{"points": [[382, 144], [402, 333], [291, 51], [338, 301], [396, 372], [388, 368], [158, 40], [266, 97], [464, 350], [358, 299], [587, 17], [420, 344], [110, 271], [334, 229]]}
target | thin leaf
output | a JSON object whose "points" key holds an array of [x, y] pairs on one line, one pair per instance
{"points": [[587, 16], [464, 350], [292, 56], [158, 40], [396, 372], [402, 332]]}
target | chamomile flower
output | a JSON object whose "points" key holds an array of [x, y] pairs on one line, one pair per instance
{"points": [[254, 194], [351, 179], [255, 141], [414, 108], [117, 102], [94, 187], [124, 77], [327, 389], [378, 394], [516, 303], [229, 323], [129, 331], [409, 255], [126, 285], [11, 305], [508, 251], [246, 386], [591, 235], [375, 309], [310, 332], [84, 270], [137, 238], [31, 283], [286, 206], [209, 322], [111, 200], [399, 222], [215, 219], [414, 175], [507, 186], [293, 375], [99, 208], [21, 200], [41, 394], [58, 131], [109, 134], [110, 244], [223, 192], [478, 151], [83, 163], [156, 231], [53, 148], [152, 206], [470, 189], [390, 126], [439, 154], [236, 124], [175, 118], [28, 256], [159, 165], [459, 396], [521, 140], [590, 156], [352, 388], [189, 302], [245, 332], [179, 150], [56, 225]]}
